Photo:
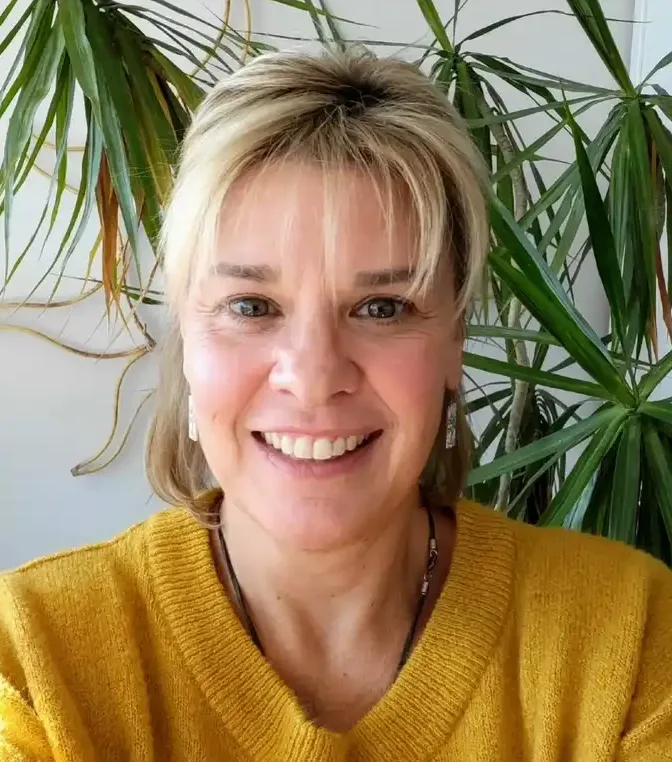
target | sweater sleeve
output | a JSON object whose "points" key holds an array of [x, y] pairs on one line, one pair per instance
{"points": [[648, 732], [22, 736]]}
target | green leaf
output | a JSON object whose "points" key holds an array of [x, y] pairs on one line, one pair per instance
{"points": [[551, 445], [336, 35], [7, 39], [622, 517], [574, 223], [663, 100], [29, 50], [541, 377], [65, 90], [493, 429], [298, 4], [662, 139], [79, 49], [189, 91], [597, 151], [120, 129], [509, 116], [583, 471], [530, 152], [467, 100], [63, 97], [660, 465], [604, 248], [186, 41], [26, 163], [159, 134], [651, 532], [538, 288], [434, 20], [33, 92], [63, 119], [317, 22], [508, 20], [473, 406], [514, 334], [91, 158], [175, 9], [504, 188], [668, 230], [594, 518], [661, 411], [517, 505], [620, 209], [511, 72], [180, 47], [591, 17], [666, 60], [640, 173], [10, 7], [655, 376]]}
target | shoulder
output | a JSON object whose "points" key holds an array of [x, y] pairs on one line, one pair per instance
{"points": [[78, 570], [547, 550], [563, 572], [76, 593]]}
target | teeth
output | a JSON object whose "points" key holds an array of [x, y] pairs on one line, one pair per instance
{"points": [[303, 448], [308, 448]]}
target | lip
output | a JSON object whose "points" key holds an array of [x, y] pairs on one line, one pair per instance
{"points": [[356, 431], [318, 469]]}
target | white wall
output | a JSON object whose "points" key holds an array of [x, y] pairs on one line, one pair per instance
{"points": [[56, 409]]}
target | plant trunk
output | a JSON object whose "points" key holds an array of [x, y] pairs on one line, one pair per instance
{"points": [[520, 388]]}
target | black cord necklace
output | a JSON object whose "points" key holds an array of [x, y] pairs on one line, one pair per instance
{"points": [[432, 558]]}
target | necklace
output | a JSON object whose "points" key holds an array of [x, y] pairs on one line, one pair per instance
{"points": [[432, 558]]}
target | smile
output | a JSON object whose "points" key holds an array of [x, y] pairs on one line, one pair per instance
{"points": [[315, 448]]}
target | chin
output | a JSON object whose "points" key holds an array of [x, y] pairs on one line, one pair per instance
{"points": [[312, 522]]}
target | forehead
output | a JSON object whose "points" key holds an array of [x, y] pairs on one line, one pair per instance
{"points": [[300, 218]]}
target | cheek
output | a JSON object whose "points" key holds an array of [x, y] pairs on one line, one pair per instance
{"points": [[222, 374], [411, 378]]}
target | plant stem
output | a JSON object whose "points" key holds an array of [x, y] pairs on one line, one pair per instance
{"points": [[520, 388]]}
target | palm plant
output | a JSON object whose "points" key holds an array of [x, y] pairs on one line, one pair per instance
{"points": [[619, 185], [619, 485]]}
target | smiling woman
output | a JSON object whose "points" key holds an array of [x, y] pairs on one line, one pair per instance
{"points": [[352, 364], [322, 592]]}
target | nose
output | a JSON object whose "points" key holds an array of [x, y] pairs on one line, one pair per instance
{"points": [[313, 363]]}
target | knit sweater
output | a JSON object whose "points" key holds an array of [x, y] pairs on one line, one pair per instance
{"points": [[544, 645]]}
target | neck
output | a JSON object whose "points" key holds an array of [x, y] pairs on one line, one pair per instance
{"points": [[329, 602]]}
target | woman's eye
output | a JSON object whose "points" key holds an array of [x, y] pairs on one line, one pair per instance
{"points": [[251, 307], [383, 308]]}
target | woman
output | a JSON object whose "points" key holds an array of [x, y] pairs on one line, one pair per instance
{"points": [[334, 598]]}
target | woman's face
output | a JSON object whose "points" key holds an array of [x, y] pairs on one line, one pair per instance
{"points": [[290, 369]]}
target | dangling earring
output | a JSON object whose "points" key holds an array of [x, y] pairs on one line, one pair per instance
{"points": [[193, 431], [451, 425]]}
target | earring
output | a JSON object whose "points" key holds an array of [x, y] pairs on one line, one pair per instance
{"points": [[193, 431], [451, 425]]}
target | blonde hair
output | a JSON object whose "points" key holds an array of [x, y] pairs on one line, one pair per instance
{"points": [[339, 111]]}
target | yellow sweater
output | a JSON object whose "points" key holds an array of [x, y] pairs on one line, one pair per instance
{"points": [[544, 645]]}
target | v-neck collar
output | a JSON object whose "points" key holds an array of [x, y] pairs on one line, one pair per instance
{"points": [[262, 713]]}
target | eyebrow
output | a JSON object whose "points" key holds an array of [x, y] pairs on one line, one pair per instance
{"points": [[267, 274], [257, 273], [384, 277]]}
